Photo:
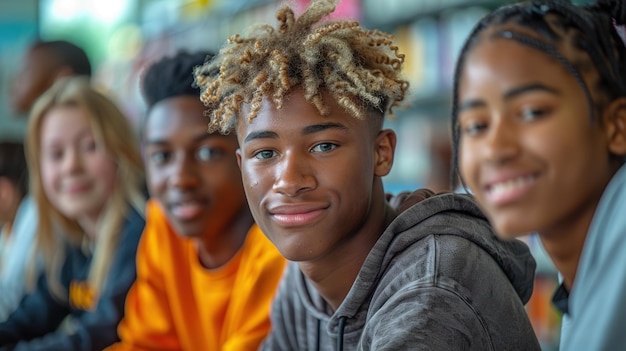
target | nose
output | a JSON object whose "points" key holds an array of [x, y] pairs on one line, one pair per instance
{"points": [[73, 162], [501, 142], [183, 173], [294, 175]]}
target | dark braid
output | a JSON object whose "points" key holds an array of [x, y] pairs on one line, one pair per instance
{"points": [[589, 29]]}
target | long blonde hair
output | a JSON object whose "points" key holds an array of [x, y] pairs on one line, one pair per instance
{"points": [[55, 230]]}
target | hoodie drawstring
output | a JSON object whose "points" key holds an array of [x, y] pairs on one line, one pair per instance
{"points": [[319, 328], [340, 327]]}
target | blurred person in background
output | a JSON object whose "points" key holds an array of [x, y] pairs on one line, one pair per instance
{"points": [[86, 178], [206, 274], [13, 189], [43, 64]]}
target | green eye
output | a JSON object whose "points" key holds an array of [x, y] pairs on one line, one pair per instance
{"points": [[324, 147], [264, 154]]}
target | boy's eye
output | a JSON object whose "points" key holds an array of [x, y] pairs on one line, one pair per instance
{"points": [[324, 147], [159, 157], [206, 153], [264, 154]]}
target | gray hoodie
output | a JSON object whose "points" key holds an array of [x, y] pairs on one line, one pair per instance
{"points": [[436, 279]]}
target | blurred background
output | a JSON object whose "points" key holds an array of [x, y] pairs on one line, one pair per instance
{"points": [[122, 36]]}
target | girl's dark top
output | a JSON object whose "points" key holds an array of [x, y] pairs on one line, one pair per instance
{"points": [[83, 321]]}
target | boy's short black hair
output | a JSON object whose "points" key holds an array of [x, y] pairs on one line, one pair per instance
{"points": [[172, 76], [67, 54], [13, 164]]}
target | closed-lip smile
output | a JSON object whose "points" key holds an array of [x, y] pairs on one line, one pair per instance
{"points": [[293, 215]]}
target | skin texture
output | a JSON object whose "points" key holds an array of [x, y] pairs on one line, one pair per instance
{"points": [[77, 173], [528, 148], [314, 186], [10, 198], [195, 177]]}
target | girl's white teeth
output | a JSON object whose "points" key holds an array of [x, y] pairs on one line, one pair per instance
{"points": [[511, 184]]}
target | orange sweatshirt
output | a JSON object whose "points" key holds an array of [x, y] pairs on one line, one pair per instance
{"points": [[176, 304]]}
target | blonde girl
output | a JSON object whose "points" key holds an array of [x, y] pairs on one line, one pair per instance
{"points": [[86, 176]]}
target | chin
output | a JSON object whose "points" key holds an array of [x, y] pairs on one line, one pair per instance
{"points": [[508, 231], [187, 231]]}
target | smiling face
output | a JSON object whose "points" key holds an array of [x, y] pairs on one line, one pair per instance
{"points": [[77, 173], [193, 174], [311, 179], [528, 149]]}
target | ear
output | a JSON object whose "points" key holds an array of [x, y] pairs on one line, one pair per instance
{"points": [[238, 154], [615, 126], [384, 149]]}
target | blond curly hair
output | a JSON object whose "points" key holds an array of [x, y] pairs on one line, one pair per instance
{"points": [[360, 68]]}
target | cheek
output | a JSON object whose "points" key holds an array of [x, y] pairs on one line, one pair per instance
{"points": [[466, 163], [156, 180], [105, 169], [253, 181], [49, 176]]}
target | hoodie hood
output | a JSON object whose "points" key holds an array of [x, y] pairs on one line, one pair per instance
{"points": [[444, 214]]}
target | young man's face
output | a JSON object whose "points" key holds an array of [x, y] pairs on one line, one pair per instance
{"points": [[309, 178], [193, 174]]}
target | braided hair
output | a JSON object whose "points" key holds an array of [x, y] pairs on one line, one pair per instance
{"points": [[360, 68], [552, 26]]}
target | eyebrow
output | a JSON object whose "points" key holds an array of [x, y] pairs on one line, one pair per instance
{"points": [[511, 94], [315, 128]]}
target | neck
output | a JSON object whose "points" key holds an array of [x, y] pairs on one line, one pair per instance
{"points": [[6, 230], [334, 275], [89, 225], [564, 242], [216, 251]]}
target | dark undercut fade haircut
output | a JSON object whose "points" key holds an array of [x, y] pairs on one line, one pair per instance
{"points": [[359, 68], [583, 38], [64, 53], [172, 76]]}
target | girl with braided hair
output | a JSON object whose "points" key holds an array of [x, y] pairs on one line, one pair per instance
{"points": [[539, 133], [307, 102]]}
